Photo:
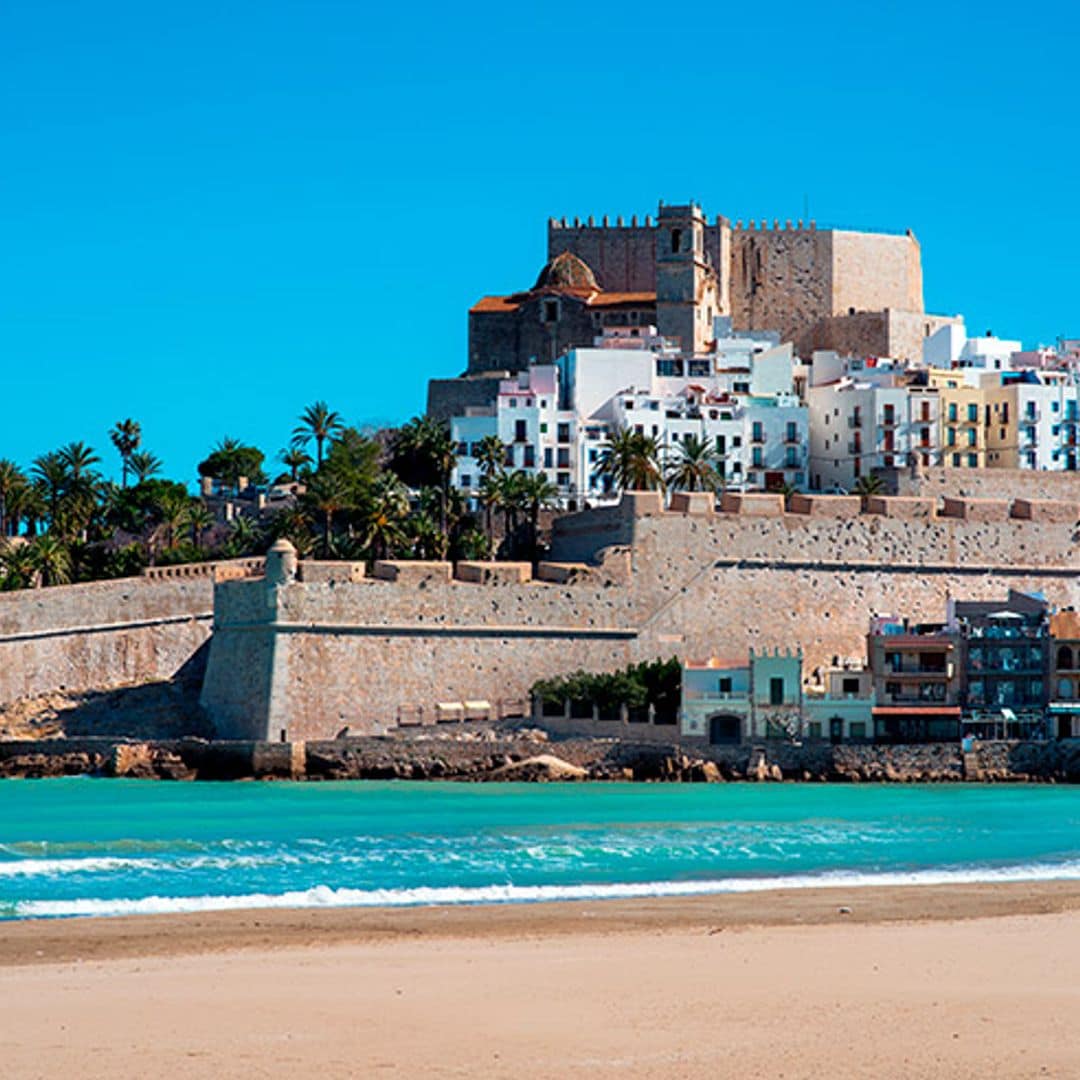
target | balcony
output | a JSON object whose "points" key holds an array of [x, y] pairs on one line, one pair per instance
{"points": [[888, 420], [758, 438], [854, 446], [854, 421], [1030, 415], [718, 695]]}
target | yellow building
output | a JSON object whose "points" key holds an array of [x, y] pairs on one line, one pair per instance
{"points": [[964, 420]]}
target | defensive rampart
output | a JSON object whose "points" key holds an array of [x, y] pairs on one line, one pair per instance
{"points": [[94, 636], [302, 659]]}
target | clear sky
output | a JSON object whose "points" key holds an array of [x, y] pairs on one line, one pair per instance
{"points": [[214, 213]]}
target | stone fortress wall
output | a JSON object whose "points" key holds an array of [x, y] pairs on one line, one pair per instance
{"points": [[75, 638], [308, 652], [105, 634]]}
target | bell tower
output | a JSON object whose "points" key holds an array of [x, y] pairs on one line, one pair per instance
{"points": [[687, 286]]}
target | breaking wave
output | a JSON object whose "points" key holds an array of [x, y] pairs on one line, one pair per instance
{"points": [[322, 896]]}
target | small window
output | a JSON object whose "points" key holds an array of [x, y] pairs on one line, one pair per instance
{"points": [[563, 433], [725, 685], [466, 480], [776, 691], [551, 311], [676, 240], [850, 686]]}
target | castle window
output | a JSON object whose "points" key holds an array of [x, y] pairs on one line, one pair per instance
{"points": [[551, 311], [676, 240]]}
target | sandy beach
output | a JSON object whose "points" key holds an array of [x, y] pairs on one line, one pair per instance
{"points": [[959, 981]]}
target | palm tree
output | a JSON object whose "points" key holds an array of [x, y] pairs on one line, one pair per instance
{"points": [[538, 493], [632, 460], [490, 455], [126, 437], [326, 494], [870, 484], [13, 483], [50, 479], [50, 560], [144, 465], [695, 469], [16, 564], [78, 458], [295, 458], [320, 423], [386, 513], [198, 518], [510, 497], [172, 508]]}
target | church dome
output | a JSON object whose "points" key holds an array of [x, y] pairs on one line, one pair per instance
{"points": [[567, 271]]}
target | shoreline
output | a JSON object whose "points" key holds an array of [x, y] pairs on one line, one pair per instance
{"points": [[29, 942]]}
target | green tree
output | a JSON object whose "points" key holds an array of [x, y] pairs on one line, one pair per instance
{"points": [[537, 493], [327, 494], [13, 485], [50, 559], [16, 564], [695, 468], [126, 436], [230, 460], [143, 465], [294, 459], [870, 484], [320, 423], [632, 460], [198, 520], [385, 516], [490, 455]]}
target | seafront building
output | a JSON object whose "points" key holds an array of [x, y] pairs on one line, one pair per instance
{"points": [[1001, 668]]}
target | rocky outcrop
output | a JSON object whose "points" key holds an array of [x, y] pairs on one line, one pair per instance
{"points": [[528, 755]]}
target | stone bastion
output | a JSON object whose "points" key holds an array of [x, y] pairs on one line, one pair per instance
{"points": [[314, 648]]}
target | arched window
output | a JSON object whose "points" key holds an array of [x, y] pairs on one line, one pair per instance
{"points": [[1064, 658]]}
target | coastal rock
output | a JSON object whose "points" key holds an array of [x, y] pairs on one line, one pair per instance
{"points": [[540, 768]]}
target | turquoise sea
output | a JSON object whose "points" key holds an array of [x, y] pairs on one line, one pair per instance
{"points": [[90, 847]]}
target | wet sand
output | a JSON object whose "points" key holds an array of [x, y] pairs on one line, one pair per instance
{"points": [[957, 981]]}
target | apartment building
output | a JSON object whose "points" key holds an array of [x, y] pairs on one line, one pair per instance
{"points": [[917, 680], [879, 418], [556, 418]]}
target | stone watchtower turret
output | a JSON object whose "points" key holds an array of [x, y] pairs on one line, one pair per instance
{"points": [[687, 285]]}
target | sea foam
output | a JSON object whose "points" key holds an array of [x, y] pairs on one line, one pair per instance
{"points": [[322, 896]]}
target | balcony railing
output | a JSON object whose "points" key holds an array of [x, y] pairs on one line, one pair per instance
{"points": [[854, 421], [888, 420]]}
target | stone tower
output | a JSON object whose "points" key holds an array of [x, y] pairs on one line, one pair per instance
{"points": [[687, 286]]}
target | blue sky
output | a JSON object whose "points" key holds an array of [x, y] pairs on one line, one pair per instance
{"points": [[212, 214]]}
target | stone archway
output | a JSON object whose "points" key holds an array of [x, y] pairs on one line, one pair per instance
{"points": [[725, 729]]}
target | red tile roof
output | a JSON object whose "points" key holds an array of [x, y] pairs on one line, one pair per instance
{"points": [[595, 300]]}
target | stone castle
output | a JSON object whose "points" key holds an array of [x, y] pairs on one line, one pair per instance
{"points": [[854, 292]]}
